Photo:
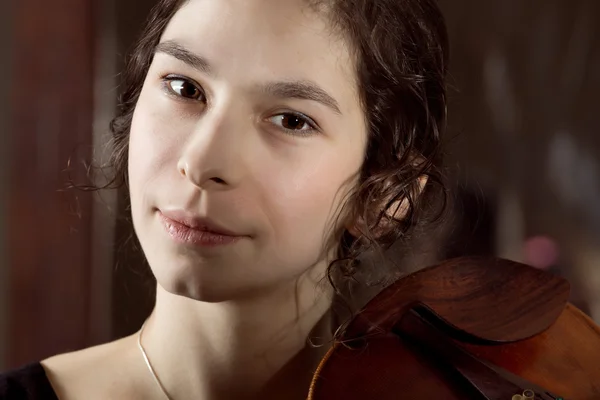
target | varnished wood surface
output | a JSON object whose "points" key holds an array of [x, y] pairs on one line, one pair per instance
{"points": [[489, 298], [564, 359], [529, 330]]}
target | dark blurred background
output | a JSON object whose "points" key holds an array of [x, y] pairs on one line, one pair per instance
{"points": [[523, 159]]}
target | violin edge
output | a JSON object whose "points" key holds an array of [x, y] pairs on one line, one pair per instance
{"points": [[542, 298]]}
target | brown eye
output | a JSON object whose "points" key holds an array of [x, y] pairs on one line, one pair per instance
{"points": [[183, 88], [294, 124]]}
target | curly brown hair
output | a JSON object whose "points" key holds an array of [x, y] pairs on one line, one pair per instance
{"points": [[400, 49]]}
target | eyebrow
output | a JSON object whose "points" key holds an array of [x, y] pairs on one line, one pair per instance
{"points": [[304, 90], [181, 53], [300, 89]]}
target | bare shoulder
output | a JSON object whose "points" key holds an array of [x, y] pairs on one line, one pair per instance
{"points": [[110, 370]]}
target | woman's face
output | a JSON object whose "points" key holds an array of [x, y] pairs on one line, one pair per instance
{"points": [[248, 120]]}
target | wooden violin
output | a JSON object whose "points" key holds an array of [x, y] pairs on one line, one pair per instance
{"points": [[469, 328]]}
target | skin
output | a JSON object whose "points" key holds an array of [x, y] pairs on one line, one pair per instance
{"points": [[233, 321]]}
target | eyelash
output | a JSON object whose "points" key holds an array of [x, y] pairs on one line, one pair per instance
{"points": [[313, 126], [304, 120], [167, 80]]}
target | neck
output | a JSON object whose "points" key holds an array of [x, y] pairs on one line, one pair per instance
{"points": [[239, 349]]}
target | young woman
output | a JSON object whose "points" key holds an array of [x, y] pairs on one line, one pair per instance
{"points": [[265, 144]]}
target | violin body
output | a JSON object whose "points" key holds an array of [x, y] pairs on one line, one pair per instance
{"points": [[469, 328]]}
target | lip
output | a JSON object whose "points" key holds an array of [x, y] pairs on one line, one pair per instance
{"points": [[187, 228]]}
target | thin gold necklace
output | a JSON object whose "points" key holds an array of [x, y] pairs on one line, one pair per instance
{"points": [[162, 389]]}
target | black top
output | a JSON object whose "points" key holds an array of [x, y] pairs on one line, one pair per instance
{"points": [[26, 383]]}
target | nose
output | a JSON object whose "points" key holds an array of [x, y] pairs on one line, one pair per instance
{"points": [[212, 155], [198, 180]]}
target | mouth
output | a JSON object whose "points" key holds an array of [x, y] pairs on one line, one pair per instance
{"points": [[187, 228]]}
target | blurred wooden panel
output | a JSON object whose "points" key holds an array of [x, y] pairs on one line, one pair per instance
{"points": [[48, 228], [5, 70]]}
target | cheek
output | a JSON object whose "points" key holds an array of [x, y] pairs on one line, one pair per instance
{"points": [[151, 155], [303, 208], [141, 153]]}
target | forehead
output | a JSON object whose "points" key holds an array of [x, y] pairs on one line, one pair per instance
{"points": [[265, 40]]}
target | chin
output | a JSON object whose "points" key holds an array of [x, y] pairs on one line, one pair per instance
{"points": [[201, 283], [206, 282], [196, 292]]}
